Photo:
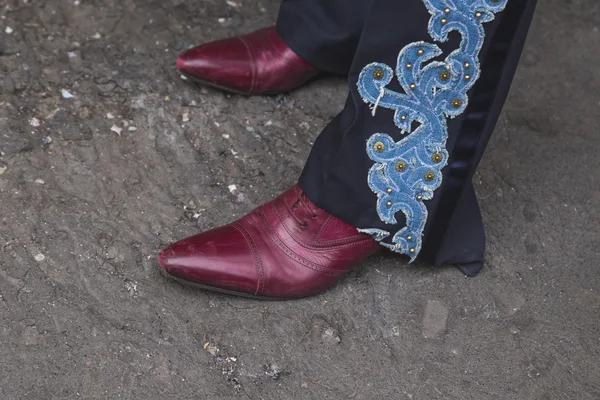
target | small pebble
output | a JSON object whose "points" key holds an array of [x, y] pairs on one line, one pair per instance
{"points": [[226, 136], [46, 140], [116, 129], [8, 30], [66, 94], [232, 3], [34, 122], [185, 117], [39, 257], [109, 116], [96, 36], [232, 188], [211, 348], [2, 170], [39, 181], [132, 128]]}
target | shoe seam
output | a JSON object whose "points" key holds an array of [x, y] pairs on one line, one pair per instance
{"points": [[258, 264], [252, 64], [275, 238], [326, 245]]}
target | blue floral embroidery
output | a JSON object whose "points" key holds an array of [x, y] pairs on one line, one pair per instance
{"points": [[407, 172]]}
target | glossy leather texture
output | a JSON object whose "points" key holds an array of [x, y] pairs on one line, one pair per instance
{"points": [[287, 248], [257, 63]]}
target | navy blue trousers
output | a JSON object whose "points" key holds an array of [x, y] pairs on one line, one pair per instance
{"points": [[342, 37]]}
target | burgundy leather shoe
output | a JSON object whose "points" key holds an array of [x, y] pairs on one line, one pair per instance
{"points": [[257, 63], [287, 248]]}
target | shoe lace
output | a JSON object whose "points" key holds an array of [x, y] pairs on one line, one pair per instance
{"points": [[303, 202]]}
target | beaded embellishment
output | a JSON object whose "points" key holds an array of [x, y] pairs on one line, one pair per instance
{"points": [[407, 172]]}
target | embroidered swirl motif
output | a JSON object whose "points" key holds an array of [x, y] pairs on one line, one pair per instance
{"points": [[407, 172]]}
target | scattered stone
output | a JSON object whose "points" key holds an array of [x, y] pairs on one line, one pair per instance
{"points": [[66, 94], [434, 319], [225, 136], [228, 368], [34, 122], [52, 113], [324, 333], [131, 287], [330, 335], [240, 198], [9, 30], [75, 60], [109, 116], [96, 36], [185, 117], [274, 371], [304, 125], [116, 129], [2, 170], [183, 77], [46, 140], [39, 257], [232, 188], [250, 129], [269, 123], [232, 3], [39, 181], [132, 128], [211, 348]]}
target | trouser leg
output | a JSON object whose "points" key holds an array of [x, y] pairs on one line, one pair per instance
{"points": [[324, 33], [403, 172]]}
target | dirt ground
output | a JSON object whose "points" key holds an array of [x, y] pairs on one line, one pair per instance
{"points": [[107, 155]]}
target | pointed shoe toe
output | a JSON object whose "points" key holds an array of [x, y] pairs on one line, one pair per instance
{"points": [[220, 260], [287, 248]]}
